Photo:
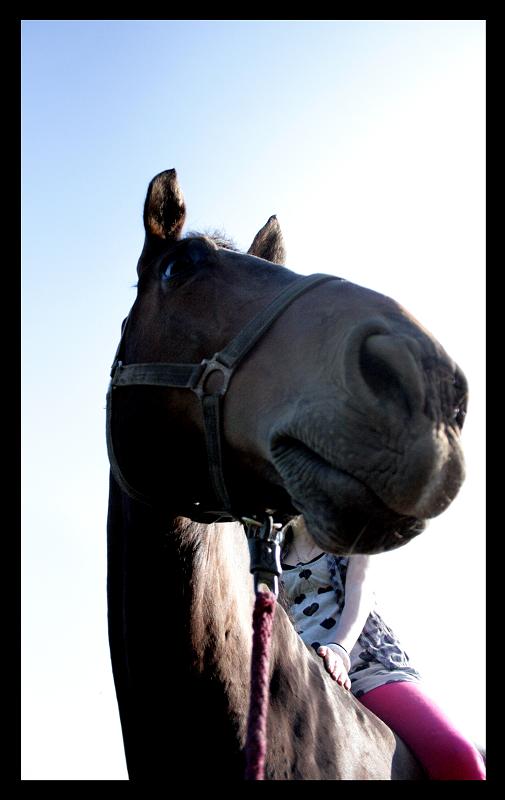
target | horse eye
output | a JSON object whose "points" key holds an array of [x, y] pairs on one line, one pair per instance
{"points": [[173, 266]]}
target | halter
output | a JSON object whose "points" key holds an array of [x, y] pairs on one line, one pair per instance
{"points": [[195, 377]]}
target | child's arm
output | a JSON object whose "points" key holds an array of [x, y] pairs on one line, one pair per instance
{"points": [[359, 601]]}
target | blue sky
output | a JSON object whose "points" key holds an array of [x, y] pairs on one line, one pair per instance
{"points": [[366, 138]]}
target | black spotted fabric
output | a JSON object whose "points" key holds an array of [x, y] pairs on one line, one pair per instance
{"points": [[316, 595]]}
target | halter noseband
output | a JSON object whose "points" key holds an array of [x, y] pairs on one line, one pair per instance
{"points": [[196, 378]]}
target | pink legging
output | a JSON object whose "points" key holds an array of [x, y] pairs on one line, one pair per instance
{"points": [[443, 752]]}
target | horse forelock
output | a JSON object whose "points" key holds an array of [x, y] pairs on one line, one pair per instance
{"points": [[219, 237]]}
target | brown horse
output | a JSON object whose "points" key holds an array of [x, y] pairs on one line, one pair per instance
{"points": [[322, 398]]}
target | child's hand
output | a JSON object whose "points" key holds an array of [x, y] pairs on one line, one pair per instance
{"points": [[334, 666]]}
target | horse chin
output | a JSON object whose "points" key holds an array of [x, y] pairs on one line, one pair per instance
{"points": [[342, 514], [351, 532]]}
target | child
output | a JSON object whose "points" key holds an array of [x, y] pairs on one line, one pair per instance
{"points": [[331, 604]]}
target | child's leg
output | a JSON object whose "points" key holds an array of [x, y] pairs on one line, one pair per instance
{"points": [[442, 750]]}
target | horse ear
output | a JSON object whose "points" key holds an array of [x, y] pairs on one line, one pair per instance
{"points": [[164, 207], [268, 243]]}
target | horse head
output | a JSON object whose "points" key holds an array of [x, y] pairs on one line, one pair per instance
{"points": [[345, 409]]}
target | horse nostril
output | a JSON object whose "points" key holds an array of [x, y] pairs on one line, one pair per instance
{"points": [[460, 394], [389, 368]]}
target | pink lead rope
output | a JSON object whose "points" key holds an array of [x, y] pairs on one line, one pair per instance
{"points": [[256, 742], [264, 539]]}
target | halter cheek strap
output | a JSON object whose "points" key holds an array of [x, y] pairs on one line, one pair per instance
{"points": [[195, 377]]}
